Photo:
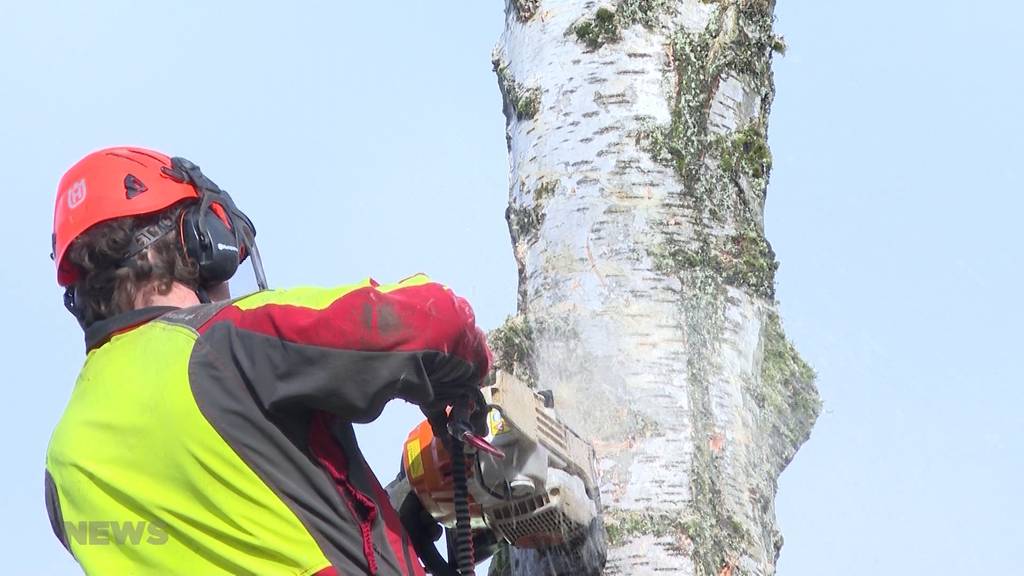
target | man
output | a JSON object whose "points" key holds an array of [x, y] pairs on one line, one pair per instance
{"points": [[210, 436]]}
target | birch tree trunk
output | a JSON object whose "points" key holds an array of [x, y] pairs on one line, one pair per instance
{"points": [[639, 164]]}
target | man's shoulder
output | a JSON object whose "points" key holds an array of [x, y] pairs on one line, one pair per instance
{"points": [[274, 311], [196, 316]]}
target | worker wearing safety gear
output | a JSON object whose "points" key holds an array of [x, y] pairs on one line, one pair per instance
{"points": [[208, 436]]}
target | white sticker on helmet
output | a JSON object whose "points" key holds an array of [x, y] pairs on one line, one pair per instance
{"points": [[76, 194]]}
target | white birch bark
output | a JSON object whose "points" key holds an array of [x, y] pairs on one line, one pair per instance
{"points": [[638, 168]]}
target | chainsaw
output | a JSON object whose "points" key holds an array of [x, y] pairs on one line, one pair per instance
{"points": [[530, 483]]}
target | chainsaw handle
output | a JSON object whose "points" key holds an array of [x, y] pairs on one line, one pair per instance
{"points": [[483, 445], [461, 428]]}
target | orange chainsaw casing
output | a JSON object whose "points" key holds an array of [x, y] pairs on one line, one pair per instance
{"points": [[428, 466]]}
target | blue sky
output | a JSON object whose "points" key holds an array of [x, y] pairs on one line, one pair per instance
{"points": [[367, 139]]}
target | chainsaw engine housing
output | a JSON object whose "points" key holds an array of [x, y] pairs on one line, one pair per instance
{"points": [[542, 494]]}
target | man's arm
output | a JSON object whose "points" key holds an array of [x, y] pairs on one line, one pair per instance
{"points": [[351, 349]]}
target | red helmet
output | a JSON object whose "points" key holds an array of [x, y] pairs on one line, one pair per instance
{"points": [[108, 184]]}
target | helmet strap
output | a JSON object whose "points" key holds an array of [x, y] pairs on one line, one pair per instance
{"points": [[203, 295], [148, 235], [71, 302]]}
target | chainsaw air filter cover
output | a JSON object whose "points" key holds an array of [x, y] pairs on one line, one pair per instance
{"points": [[556, 516]]}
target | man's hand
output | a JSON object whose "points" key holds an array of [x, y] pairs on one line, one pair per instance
{"points": [[437, 414]]}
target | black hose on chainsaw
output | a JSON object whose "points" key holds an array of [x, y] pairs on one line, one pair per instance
{"points": [[463, 530]]}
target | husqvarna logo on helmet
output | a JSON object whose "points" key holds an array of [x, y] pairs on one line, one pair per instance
{"points": [[76, 193]]}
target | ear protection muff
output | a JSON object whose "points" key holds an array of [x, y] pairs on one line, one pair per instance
{"points": [[208, 240], [215, 234]]}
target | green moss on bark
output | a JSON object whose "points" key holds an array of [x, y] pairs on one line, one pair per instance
{"points": [[501, 563], [544, 190], [727, 246], [738, 40], [716, 170], [623, 526], [525, 100], [512, 345], [524, 222], [526, 9], [608, 21], [746, 152], [643, 12], [681, 144], [603, 28], [787, 381], [743, 260], [779, 45], [717, 537], [709, 542], [749, 262]]}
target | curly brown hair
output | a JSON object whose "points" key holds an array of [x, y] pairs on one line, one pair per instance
{"points": [[109, 281]]}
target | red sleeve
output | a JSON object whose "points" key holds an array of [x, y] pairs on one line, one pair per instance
{"points": [[352, 348]]}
